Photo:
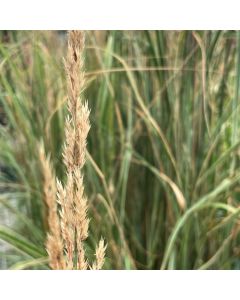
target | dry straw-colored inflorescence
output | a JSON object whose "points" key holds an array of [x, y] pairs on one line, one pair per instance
{"points": [[69, 230]]}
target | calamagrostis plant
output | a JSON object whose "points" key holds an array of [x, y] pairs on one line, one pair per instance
{"points": [[65, 241]]}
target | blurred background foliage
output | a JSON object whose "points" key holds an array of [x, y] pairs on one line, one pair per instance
{"points": [[162, 174]]}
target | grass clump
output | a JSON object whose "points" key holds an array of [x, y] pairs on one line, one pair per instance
{"points": [[162, 167]]}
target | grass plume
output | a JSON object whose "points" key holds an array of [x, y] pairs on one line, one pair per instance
{"points": [[73, 229], [54, 242]]}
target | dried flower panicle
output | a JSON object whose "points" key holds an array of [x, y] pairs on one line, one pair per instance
{"points": [[54, 243], [72, 230]]}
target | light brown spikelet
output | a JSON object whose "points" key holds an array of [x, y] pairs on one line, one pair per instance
{"points": [[68, 152], [100, 256]]}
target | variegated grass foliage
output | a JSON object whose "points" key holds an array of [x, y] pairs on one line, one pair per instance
{"points": [[162, 162]]}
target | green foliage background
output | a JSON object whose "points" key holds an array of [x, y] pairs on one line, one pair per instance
{"points": [[162, 174]]}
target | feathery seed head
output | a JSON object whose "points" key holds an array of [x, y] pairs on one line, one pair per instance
{"points": [[74, 223]]}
